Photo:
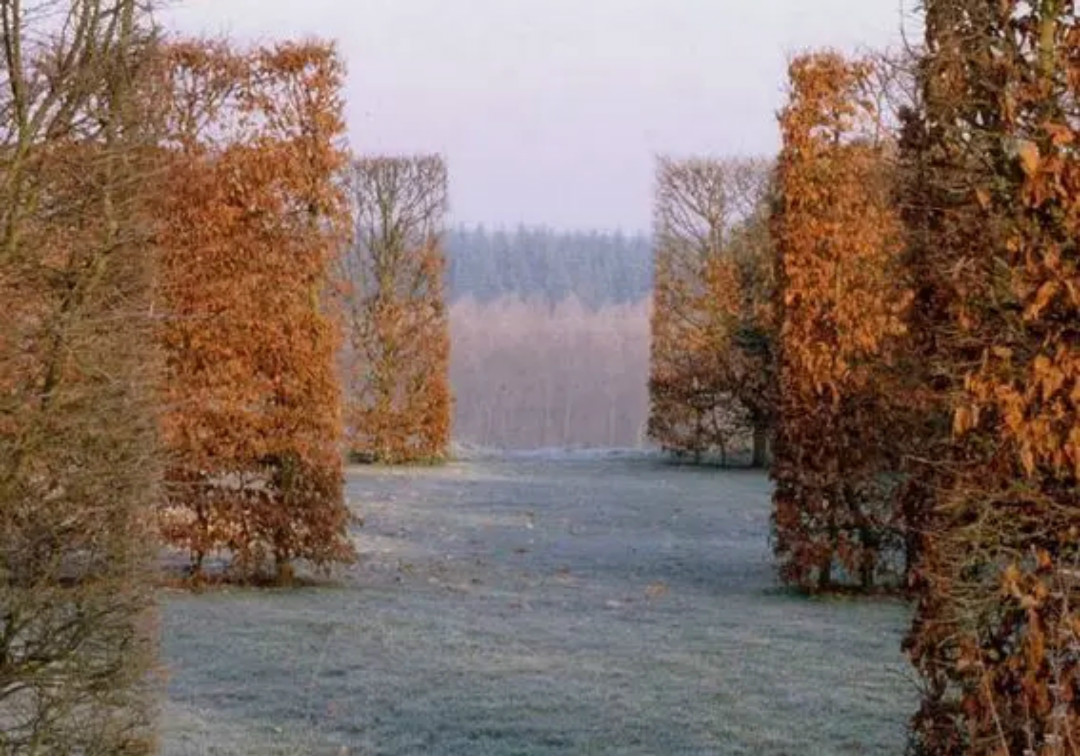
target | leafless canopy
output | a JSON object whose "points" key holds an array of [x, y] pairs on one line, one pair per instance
{"points": [[700, 200], [397, 343], [398, 206]]}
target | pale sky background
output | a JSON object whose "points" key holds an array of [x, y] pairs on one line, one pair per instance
{"points": [[551, 111]]}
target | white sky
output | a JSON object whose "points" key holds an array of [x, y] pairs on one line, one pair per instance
{"points": [[551, 111]]}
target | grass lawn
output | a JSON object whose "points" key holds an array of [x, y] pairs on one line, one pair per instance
{"points": [[541, 605]]}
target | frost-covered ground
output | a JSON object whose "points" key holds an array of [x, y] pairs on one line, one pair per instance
{"points": [[541, 603]]}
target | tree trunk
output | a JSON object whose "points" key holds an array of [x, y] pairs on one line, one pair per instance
{"points": [[825, 574], [761, 447]]}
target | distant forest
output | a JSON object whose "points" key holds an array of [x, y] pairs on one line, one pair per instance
{"points": [[599, 268], [526, 376], [549, 336]]}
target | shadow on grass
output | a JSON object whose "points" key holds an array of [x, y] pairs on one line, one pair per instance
{"points": [[223, 577]]}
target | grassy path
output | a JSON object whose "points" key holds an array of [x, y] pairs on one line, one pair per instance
{"points": [[541, 606]]}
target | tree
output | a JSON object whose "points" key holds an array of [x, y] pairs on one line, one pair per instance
{"points": [[841, 306], [695, 407], [253, 223], [752, 350], [396, 366], [995, 221], [79, 469]]}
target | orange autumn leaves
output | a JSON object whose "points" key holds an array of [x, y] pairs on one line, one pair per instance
{"points": [[922, 343], [252, 222], [779, 309], [928, 360], [172, 215], [997, 632], [841, 307], [274, 241]]}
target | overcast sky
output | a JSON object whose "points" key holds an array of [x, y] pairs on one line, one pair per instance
{"points": [[551, 111]]}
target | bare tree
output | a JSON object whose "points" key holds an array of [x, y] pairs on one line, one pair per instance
{"points": [[78, 467], [396, 360]]}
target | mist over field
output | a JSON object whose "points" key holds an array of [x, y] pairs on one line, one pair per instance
{"points": [[549, 337]]}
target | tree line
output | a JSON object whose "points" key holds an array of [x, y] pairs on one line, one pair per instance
{"points": [[912, 302], [205, 293], [536, 263]]}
